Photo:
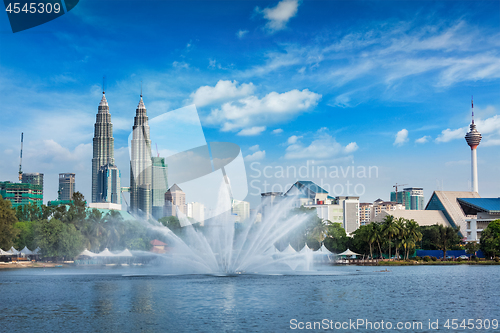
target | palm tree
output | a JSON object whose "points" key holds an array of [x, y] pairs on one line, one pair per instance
{"points": [[414, 234], [370, 237], [390, 229], [377, 234], [401, 234]]}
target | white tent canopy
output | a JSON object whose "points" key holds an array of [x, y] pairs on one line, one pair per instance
{"points": [[13, 251], [348, 253], [105, 253], [305, 249], [323, 250], [4, 253], [26, 251], [87, 253], [37, 251], [289, 250], [272, 250], [124, 253]]}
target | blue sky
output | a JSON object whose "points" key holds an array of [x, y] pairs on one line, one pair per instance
{"points": [[336, 83]]}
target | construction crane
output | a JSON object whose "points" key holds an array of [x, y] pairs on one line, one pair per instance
{"points": [[396, 186], [21, 159]]}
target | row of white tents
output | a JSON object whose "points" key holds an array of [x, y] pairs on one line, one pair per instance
{"points": [[106, 254], [289, 250], [22, 253]]}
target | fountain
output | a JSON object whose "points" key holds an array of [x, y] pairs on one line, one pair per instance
{"points": [[227, 247]]}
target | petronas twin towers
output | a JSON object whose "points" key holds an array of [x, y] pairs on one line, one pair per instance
{"points": [[106, 176]]}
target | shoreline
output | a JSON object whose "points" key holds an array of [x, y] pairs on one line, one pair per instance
{"points": [[430, 263], [13, 265]]}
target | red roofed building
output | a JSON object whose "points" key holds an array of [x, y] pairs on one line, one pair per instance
{"points": [[158, 246]]}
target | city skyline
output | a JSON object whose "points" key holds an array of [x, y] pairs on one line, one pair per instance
{"points": [[388, 87]]}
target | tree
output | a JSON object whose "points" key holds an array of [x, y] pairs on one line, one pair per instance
{"points": [[413, 236], [364, 235], [7, 221], [25, 235], [445, 237], [336, 238], [94, 230], [58, 239], [29, 212], [401, 235], [171, 222], [75, 214], [490, 239], [390, 229], [471, 247]]}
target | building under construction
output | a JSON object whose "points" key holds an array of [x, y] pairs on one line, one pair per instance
{"points": [[20, 194]]}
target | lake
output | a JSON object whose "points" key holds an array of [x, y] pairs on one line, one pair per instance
{"points": [[133, 299]]}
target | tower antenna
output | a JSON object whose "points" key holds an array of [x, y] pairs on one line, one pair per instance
{"points": [[103, 84], [472, 104], [21, 159], [141, 88]]}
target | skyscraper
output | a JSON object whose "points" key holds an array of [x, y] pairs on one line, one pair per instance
{"points": [[34, 178], [175, 198], [412, 198], [108, 180], [66, 186], [103, 147], [140, 164], [473, 138], [159, 185]]}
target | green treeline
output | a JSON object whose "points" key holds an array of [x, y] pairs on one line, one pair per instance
{"points": [[63, 232]]}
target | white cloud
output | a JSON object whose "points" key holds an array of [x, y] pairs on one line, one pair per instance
{"points": [[489, 128], [423, 139], [272, 108], [277, 131], [350, 148], [293, 139], [279, 16], [180, 64], [448, 134], [241, 33], [254, 148], [223, 91], [258, 155], [256, 130], [401, 137], [322, 148]]}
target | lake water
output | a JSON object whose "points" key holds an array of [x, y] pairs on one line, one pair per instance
{"points": [[123, 300]]}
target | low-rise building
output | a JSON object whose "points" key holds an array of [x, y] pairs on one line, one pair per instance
{"points": [[485, 210], [447, 202], [196, 211], [422, 217], [380, 205], [341, 209]]}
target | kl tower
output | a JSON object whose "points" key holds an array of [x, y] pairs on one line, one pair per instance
{"points": [[473, 137]]}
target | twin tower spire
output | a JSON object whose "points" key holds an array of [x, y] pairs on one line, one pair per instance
{"points": [[105, 174]]}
